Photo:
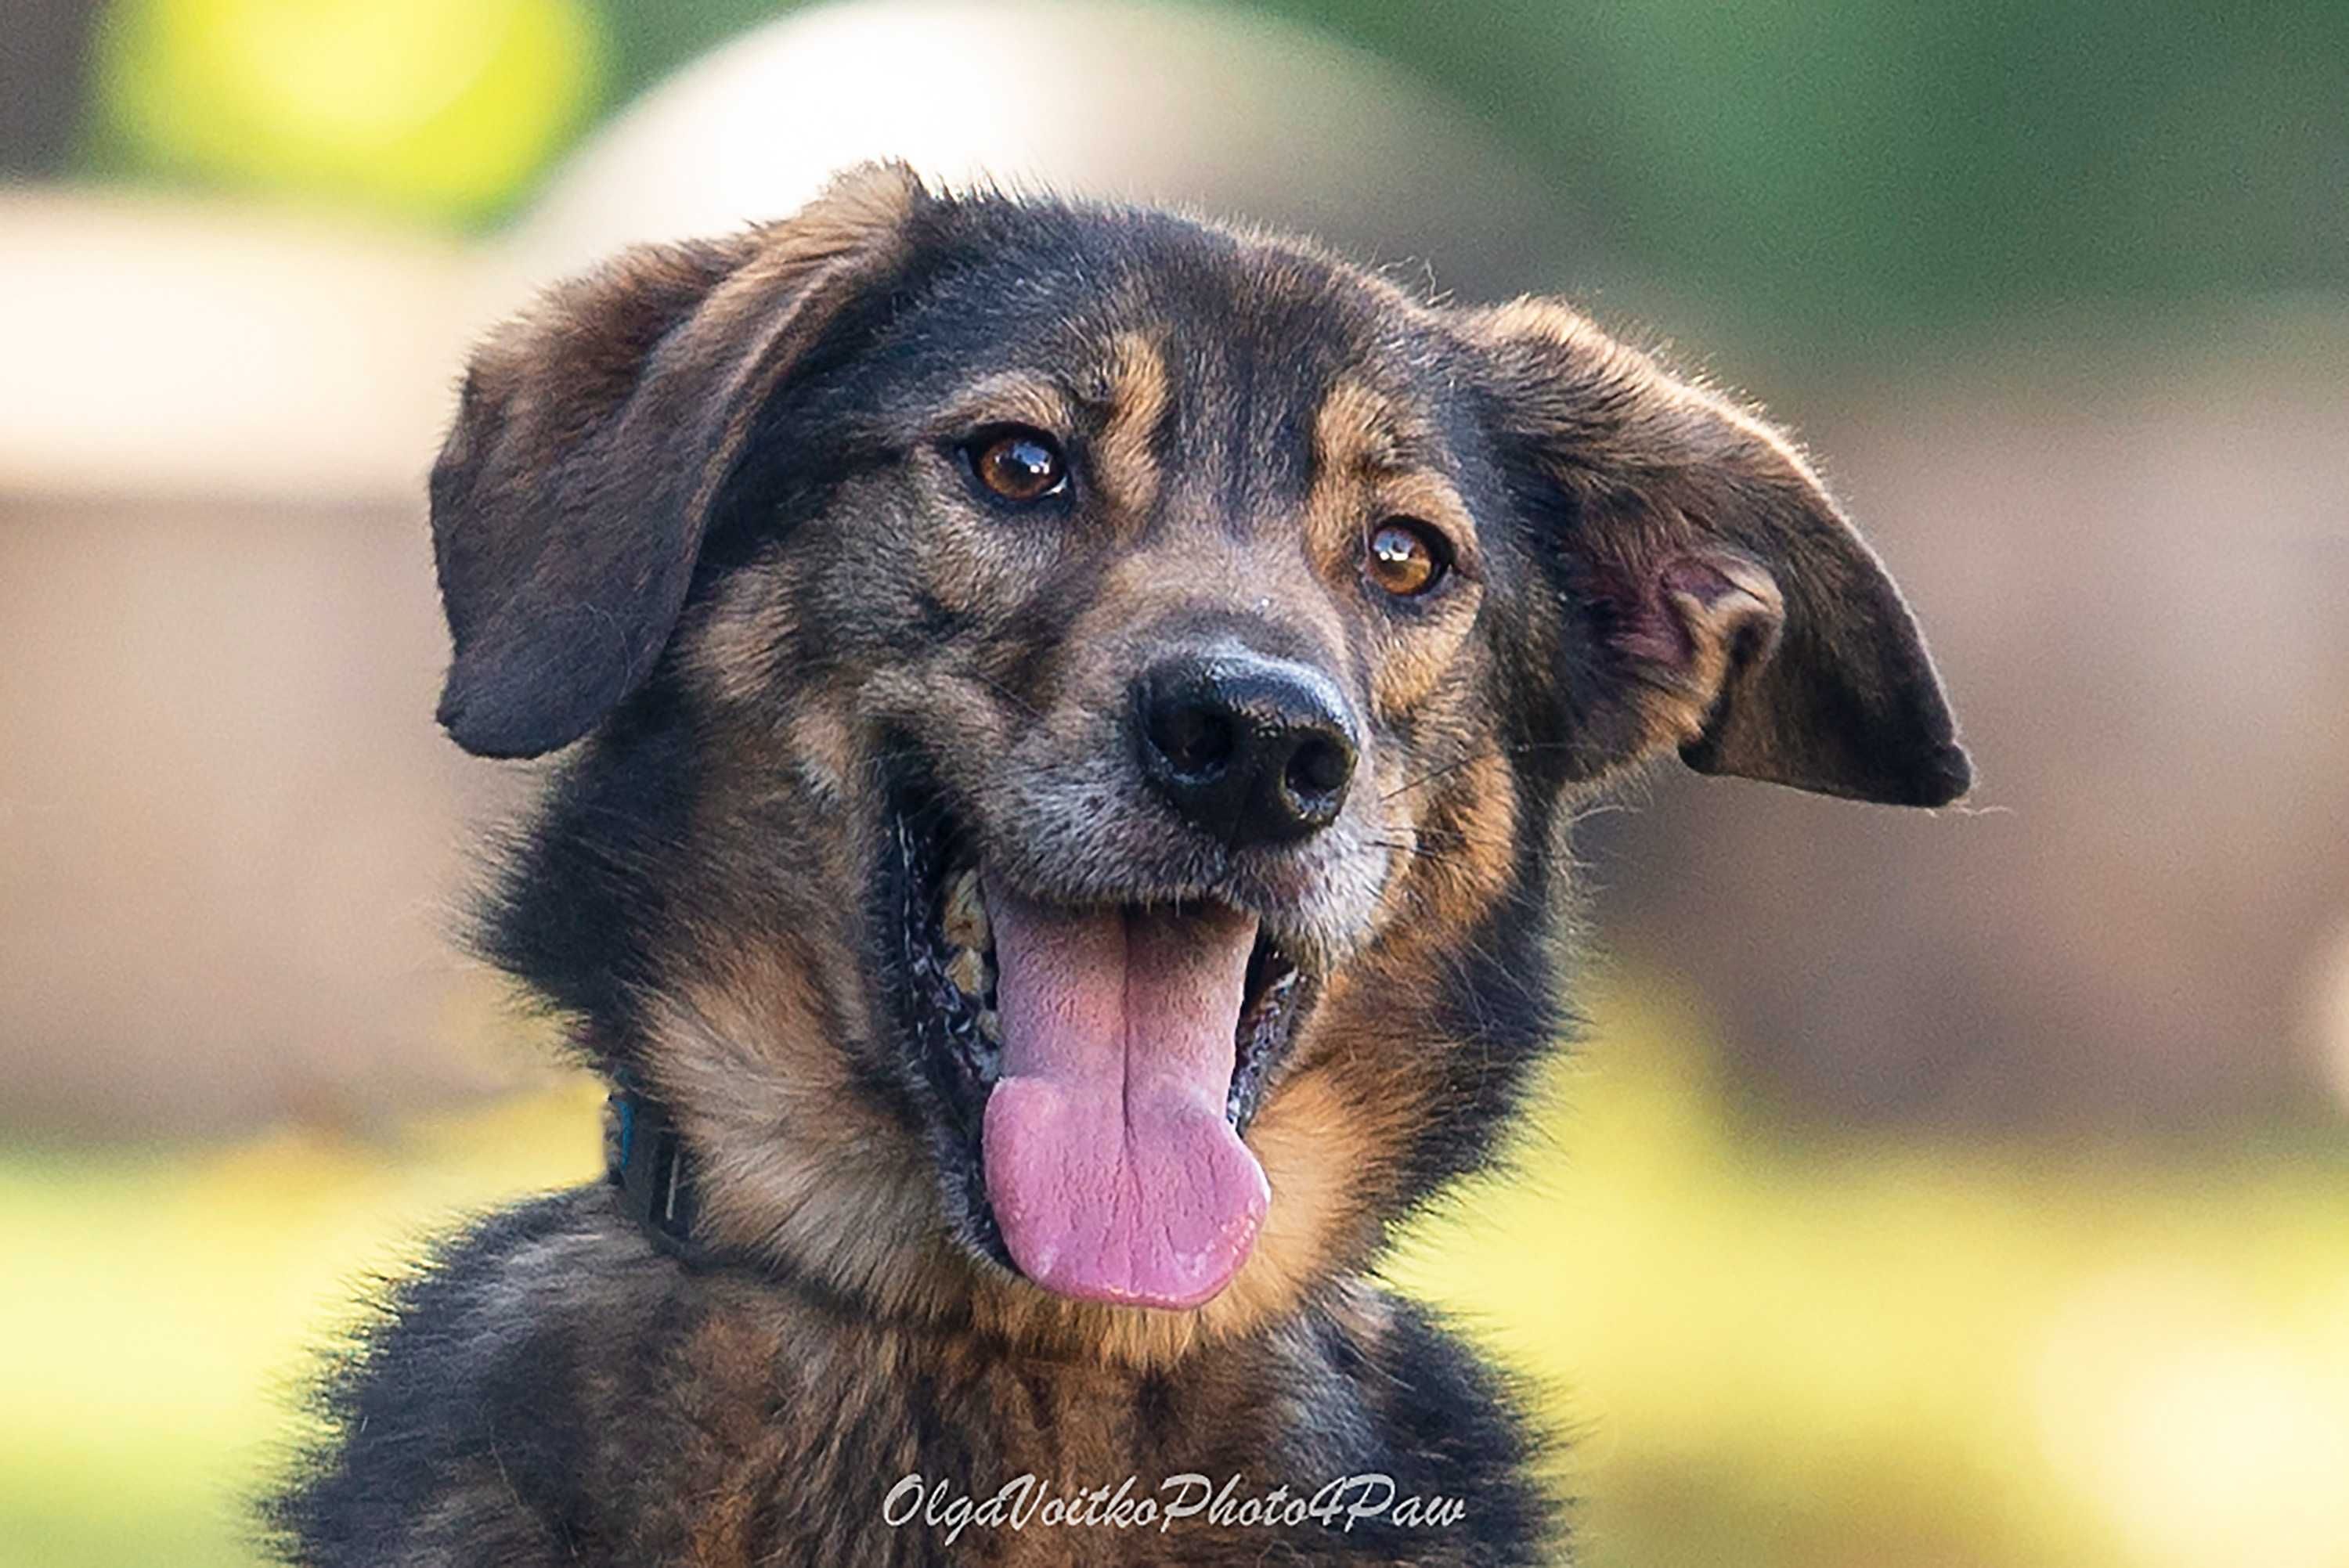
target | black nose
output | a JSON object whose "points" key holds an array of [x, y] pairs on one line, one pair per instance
{"points": [[1253, 751]]}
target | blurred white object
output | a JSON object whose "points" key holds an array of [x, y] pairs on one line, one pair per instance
{"points": [[171, 349], [1222, 110]]}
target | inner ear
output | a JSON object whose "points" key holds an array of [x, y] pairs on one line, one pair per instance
{"points": [[1697, 622]]}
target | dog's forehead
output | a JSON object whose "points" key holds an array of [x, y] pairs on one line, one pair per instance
{"points": [[1243, 341]]}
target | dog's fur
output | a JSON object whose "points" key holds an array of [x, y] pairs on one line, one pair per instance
{"points": [[700, 514]]}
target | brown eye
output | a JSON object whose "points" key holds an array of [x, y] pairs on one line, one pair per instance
{"points": [[1407, 557], [1018, 463]]}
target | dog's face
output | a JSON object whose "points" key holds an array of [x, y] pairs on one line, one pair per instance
{"points": [[1078, 704]]}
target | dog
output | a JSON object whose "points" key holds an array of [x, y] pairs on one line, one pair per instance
{"points": [[1069, 717]]}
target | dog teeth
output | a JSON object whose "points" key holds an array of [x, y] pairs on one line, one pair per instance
{"points": [[966, 923], [970, 973], [991, 1023]]}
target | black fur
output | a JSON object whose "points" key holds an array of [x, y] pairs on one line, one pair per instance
{"points": [[701, 518]]}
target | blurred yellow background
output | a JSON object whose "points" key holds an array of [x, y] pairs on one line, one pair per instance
{"points": [[1965, 1190]]}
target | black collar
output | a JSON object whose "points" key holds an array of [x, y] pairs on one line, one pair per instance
{"points": [[650, 1165]]}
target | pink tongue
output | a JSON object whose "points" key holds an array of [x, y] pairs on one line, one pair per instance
{"points": [[1112, 1169]]}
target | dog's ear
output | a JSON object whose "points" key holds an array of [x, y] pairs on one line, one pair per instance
{"points": [[593, 437], [1753, 628]]}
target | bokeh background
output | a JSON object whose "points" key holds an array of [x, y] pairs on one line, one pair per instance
{"points": [[1962, 1190]]}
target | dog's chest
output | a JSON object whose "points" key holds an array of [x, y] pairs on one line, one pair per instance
{"points": [[925, 1454]]}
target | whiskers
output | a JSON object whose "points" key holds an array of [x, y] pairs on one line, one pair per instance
{"points": [[1470, 759]]}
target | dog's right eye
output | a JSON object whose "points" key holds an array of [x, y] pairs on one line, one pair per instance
{"points": [[1017, 462]]}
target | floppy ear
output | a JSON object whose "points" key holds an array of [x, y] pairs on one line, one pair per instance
{"points": [[1754, 630], [595, 437]]}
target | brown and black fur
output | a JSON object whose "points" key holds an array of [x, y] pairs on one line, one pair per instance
{"points": [[701, 519]]}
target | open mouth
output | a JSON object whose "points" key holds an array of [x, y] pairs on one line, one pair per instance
{"points": [[1096, 1066]]}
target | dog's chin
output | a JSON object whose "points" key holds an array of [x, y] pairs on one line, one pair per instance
{"points": [[1091, 1067]]}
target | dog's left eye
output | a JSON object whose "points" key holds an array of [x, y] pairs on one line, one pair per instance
{"points": [[1407, 557], [1018, 463]]}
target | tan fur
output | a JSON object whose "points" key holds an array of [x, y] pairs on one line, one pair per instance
{"points": [[1127, 471], [1372, 462], [738, 646]]}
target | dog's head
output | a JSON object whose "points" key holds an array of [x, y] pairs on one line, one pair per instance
{"points": [[1075, 709]]}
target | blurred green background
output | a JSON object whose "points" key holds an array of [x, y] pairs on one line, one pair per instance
{"points": [[1851, 169], [1960, 1193]]}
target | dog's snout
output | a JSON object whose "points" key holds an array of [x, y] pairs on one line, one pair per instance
{"points": [[1251, 750]]}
